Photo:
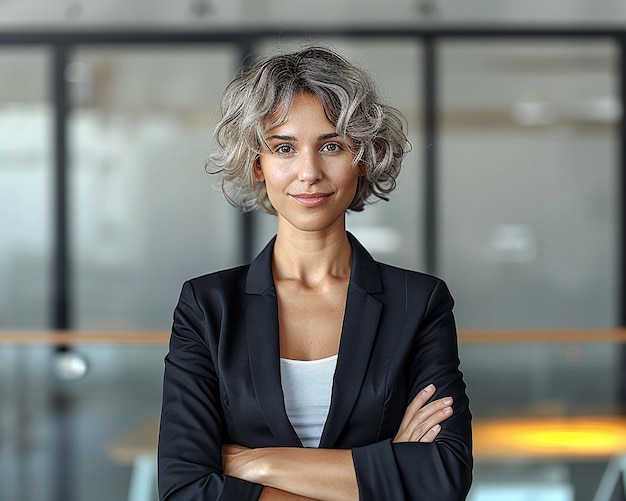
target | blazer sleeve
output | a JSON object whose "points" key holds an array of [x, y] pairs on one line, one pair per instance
{"points": [[422, 471], [193, 428]]}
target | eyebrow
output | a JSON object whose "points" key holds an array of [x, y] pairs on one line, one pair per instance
{"points": [[323, 137]]}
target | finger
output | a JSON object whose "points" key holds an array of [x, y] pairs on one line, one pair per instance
{"points": [[414, 417], [434, 413], [416, 404], [418, 432], [421, 398], [430, 435], [434, 408]]}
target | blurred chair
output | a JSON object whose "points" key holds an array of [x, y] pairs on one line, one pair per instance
{"points": [[137, 447]]}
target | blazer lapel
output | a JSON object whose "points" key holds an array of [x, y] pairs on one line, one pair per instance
{"points": [[359, 330], [261, 326]]}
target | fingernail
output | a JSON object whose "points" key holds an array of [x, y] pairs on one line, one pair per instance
{"points": [[447, 410], [436, 428], [447, 400], [430, 387]]}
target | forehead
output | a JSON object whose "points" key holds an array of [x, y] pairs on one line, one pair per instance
{"points": [[307, 101]]}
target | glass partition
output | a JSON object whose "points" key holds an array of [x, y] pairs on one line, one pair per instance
{"points": [[529, 182], [25, 188], [145, 214], [529, 229], [548, 421], [84, 421], [77, 436]]}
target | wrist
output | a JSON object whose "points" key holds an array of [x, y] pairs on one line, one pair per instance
{"points": [[260, 466]]}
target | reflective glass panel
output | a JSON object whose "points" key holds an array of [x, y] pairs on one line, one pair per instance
{"points": [[25, 188], [548, 419], [529, 183], [83, 422], [529, 238], [145, 214], [74, 424]]}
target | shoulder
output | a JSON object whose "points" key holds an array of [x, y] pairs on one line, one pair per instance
{"points": [[253, 278], [226, 275], [211, 297], [393, 283], [390, 273], [222, 282], [415, 285]]}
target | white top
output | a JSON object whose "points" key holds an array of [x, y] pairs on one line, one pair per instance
{"points": [[307, 388]]}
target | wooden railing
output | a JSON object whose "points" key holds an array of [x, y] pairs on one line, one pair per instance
{"points": [[529, 336], [475, 336], [72, 337]]}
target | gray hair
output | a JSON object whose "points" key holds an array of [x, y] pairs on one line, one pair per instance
{"points": [[351, 102]]}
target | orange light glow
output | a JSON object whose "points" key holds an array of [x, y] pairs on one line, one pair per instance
{"points": [[550, 437]]}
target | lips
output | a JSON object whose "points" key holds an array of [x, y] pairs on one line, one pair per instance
{"points": [[311, 199]]}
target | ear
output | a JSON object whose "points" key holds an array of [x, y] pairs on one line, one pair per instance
{"points": [[258, 172]]}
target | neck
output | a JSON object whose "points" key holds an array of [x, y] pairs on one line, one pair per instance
{"points": [[311, 257]]}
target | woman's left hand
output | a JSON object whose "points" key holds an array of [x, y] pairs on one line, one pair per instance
{"points": [[421, 421]]}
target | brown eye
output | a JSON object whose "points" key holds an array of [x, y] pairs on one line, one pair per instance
{"points": [[283, 149], [332, 147]]}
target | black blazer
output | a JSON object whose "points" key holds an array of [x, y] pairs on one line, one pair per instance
{"points": [[222, 383]]}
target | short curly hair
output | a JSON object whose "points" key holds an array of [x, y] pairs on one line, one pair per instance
{"points": [[265, 91]]}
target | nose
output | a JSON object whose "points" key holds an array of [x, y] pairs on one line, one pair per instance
{"points": [[309, 170]]}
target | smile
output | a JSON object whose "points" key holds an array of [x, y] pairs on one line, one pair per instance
{"points": [[311, 199]]}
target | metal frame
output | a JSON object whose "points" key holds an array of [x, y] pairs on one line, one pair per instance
{"points": [[621, 39], [60, 312], [614, 473], [430, 106]]}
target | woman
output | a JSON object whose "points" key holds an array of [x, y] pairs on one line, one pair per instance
{"points": [[315, 372]]}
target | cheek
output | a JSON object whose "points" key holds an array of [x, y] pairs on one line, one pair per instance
{"points": [[277, 178], [351, 180], [274, 186]]}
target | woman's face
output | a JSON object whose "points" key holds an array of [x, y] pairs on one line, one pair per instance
{"points": [[307, 170]]}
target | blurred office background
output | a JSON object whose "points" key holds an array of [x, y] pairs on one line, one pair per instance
{"points": [[513, 193]]}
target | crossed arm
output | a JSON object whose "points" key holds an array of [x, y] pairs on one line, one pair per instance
{"points": [[330, 473], [195, 420]]}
